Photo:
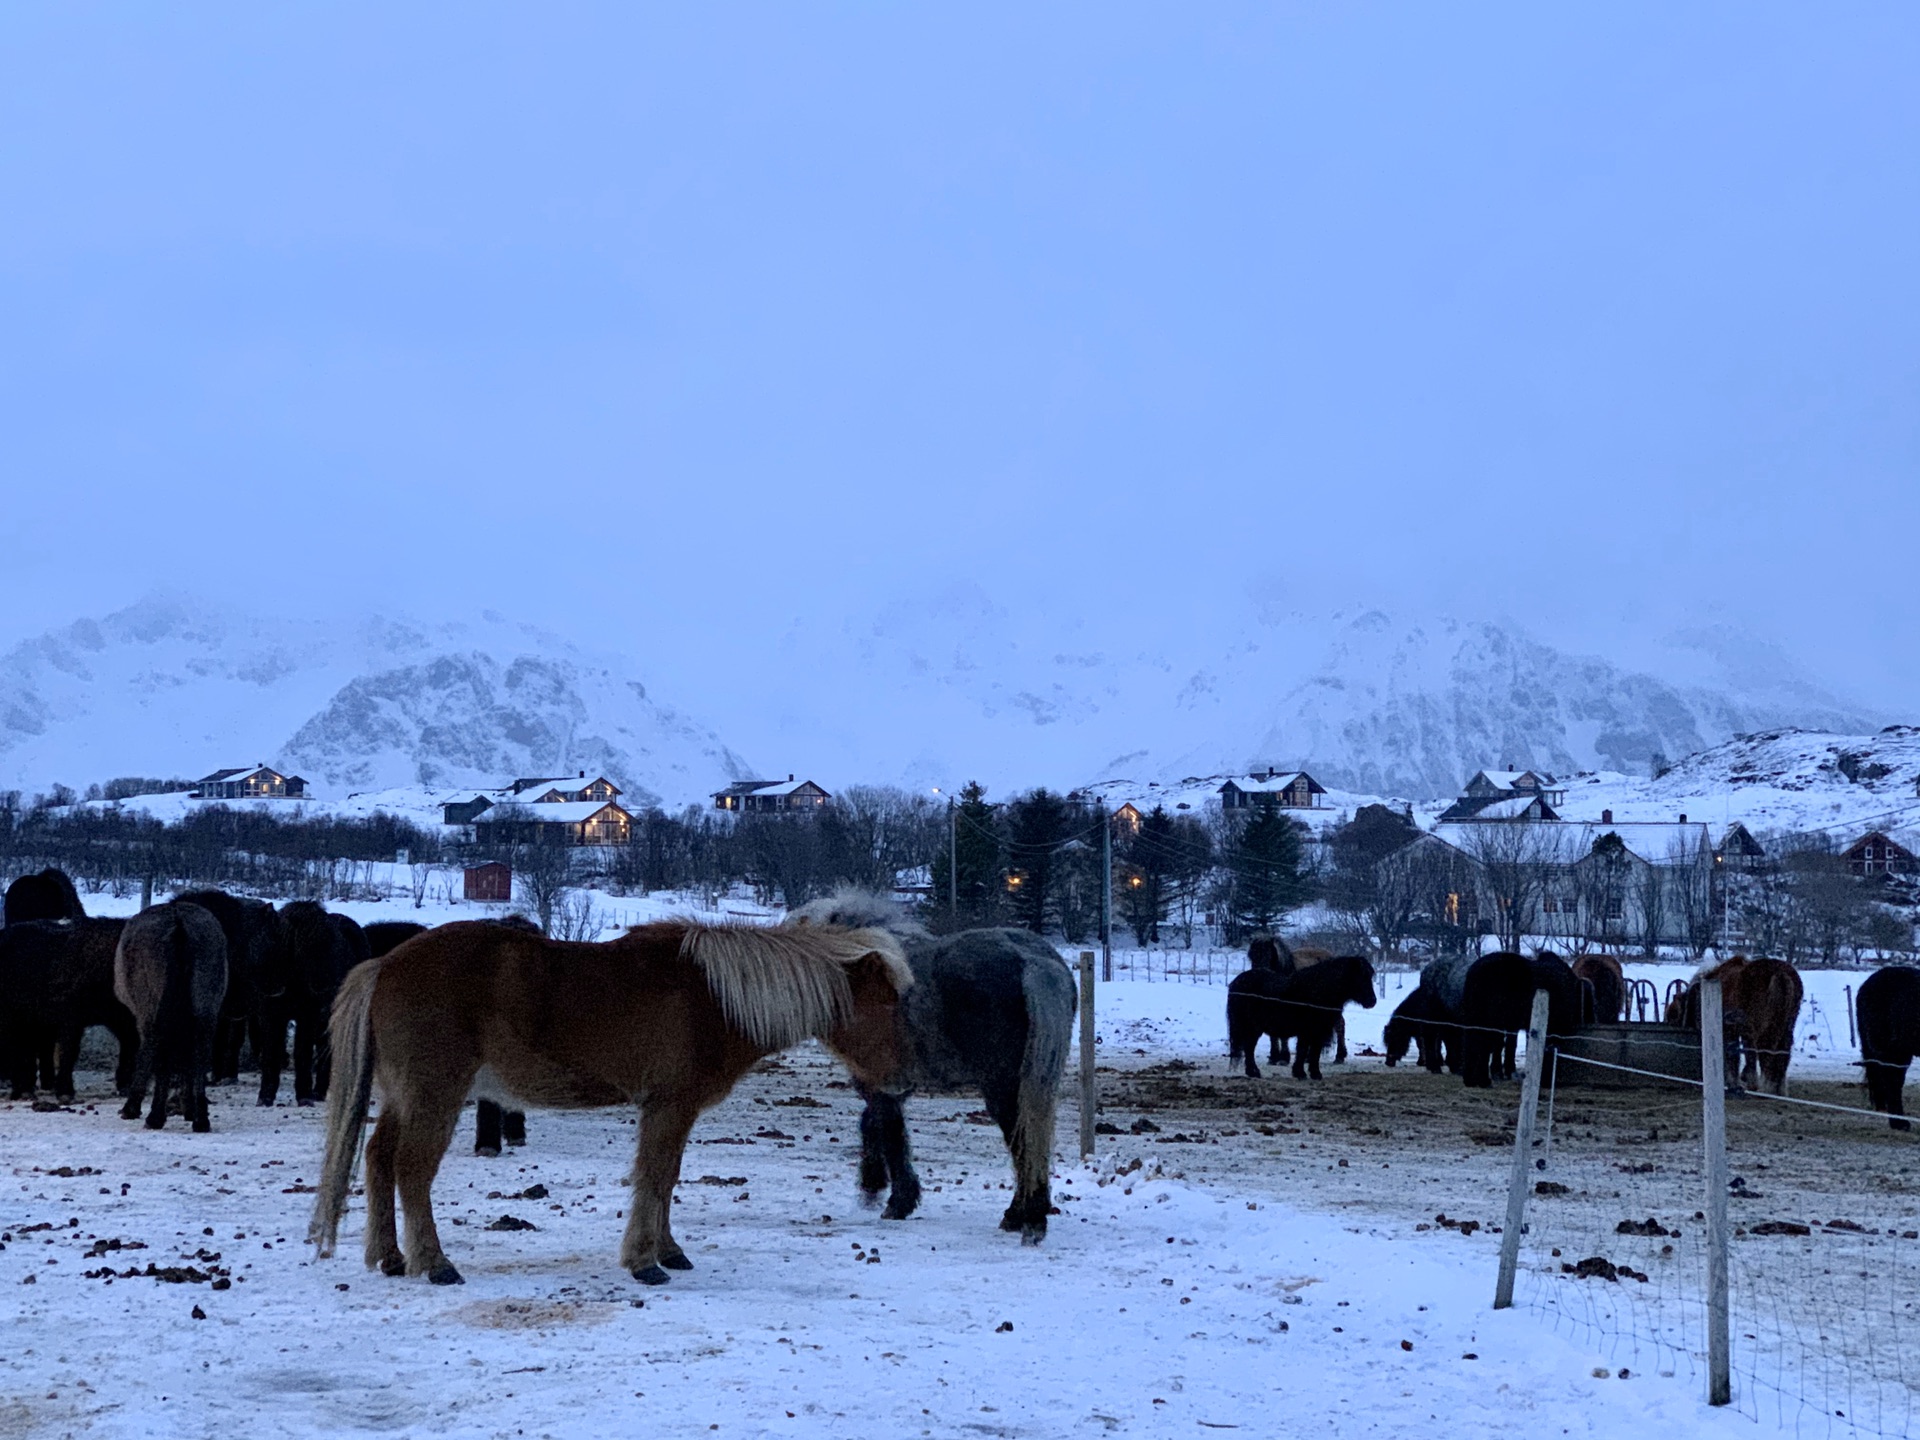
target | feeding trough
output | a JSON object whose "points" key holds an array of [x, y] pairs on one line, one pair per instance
{"points": [[1661, 1052]]}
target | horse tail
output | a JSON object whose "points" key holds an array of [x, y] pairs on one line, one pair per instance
{"points": [[349, 1097], [173, 1027], [1051, 1005]]}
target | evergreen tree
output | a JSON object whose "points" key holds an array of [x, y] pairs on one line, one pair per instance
{"points": [[1269, 874], [1039, 824], [981, 863], [1153, 863]]}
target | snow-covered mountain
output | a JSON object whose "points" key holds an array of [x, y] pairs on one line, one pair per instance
{"points": [[974, 689], [930, 691], [177, 687]]}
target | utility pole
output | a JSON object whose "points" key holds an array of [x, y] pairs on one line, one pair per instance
{"points": [[953, 862], [1106, 896]]}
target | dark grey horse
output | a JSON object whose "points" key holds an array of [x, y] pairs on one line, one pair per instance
{"points": [[989, 1010], [258, 960], [171, 972]]}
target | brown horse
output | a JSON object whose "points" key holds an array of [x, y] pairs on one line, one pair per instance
{"points": [[1760, 1001], [1609, 983], [669, 1017]]}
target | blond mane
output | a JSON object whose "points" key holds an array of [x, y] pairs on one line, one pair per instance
{"points": [[781, 986]]}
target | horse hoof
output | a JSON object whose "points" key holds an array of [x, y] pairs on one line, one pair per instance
{"points": [[486, 1152], [129, 1112], [676, 1262], [445, 1274], [304, 1104], [896, 1210], [1901, 1124], [394, 1265], [650, 1275], [156, 1122], [202, 1125], [1033, 1234]]}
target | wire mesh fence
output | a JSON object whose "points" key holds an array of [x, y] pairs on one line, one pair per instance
{"points": [[1823, 1248]]}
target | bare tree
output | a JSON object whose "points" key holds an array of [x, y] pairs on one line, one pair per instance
{"points": [[1514, 858]]}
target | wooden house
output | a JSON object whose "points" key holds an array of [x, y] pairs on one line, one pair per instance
{"points": [[1873, 854], [258, 782], [1504, 784], [464, 807], [554, 822], [770, 797], [1274, 790], [1738, 849], [491, 883]]}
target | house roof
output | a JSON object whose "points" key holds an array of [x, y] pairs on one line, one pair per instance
{"points": [[1883, 838], [566, 787], [1498, 807], [766, 787], [1567, 842], [241, 773], [559, 812], [1273, 783], [1511, 779]]}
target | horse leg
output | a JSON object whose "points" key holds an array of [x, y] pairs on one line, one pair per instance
{"points": [[487, 1119], [1340, 1034], [896, 1156], [873, 1156], [162, 1087], [198, 1118], [644, 1250], [383, 1236], [142, 1073], [303, 1046], [1032, 1146], [513, 1127], [425, 1130], [1003, 1104], [270, 1050]]}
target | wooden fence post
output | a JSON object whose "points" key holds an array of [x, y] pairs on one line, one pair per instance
{"points": [[1522, 1153], [1713, 1115], [1089, 1097]]}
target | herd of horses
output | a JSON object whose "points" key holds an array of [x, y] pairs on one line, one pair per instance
{"points": [[668, 1017]]}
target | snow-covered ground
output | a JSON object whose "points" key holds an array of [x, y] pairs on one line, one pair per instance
{"points": [[1217, 1285]]}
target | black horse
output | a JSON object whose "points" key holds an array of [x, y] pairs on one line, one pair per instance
{"points": [[320, 950], [989, 1010], [56, 980], [258, 965], [48, 895], [1300, 1006], [1888, 1010], [1420, 1025], [1497, 1003]]}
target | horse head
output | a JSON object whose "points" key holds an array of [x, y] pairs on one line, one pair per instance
{"points": [[1360, 981]]}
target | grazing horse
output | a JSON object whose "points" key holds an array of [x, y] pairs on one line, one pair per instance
{"points": [[1303, 1006], [257, 960], [56, 980], [1497, 1003], [320, 950], [668, 1016], [48, 895], [1888, 1009], [1609, 983], [171, 972], [1760, 1003], [1419, 1024], [990, 1010]]}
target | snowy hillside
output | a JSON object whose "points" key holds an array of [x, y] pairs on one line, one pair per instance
{"points": [[1370, 703], [176, 687], [1778, 780]]}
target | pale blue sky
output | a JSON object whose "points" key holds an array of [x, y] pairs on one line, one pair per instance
{"points": [[1604, 316]]}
